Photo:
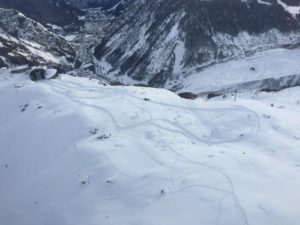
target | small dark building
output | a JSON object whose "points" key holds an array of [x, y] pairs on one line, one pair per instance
{"points": [[37, 74]]}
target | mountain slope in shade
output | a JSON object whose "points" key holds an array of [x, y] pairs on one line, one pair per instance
{"points": [[75, 152], [114, 7], [57, 12], [161, 40], [24, 41]]}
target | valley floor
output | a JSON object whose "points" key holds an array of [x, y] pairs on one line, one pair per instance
{"points": [[73, 151], [275, 63]]}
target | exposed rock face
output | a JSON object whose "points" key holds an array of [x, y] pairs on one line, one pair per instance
{"points": [[168, 38], [57, 12], [24, 41]]}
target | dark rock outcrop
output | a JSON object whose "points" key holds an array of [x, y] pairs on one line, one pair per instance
{"points": [[2, 63]]}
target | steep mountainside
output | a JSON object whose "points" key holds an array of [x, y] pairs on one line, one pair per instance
{"points": [[164, 39], [24, 41], [57, 12], [113, 6]]}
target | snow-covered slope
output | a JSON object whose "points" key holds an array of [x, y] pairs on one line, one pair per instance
{"points": [[75, 152], [274, 63], [25, 41]]}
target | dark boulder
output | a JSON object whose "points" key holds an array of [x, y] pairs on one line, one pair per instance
{"points": [[188, 95]]}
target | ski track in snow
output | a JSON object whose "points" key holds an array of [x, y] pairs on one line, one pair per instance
{"points": [[159, 144], [178, 129]]}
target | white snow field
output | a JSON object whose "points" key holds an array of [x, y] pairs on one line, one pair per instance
{"points": [[273, 63], [75, 152]]}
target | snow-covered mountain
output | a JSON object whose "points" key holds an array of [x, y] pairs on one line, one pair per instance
{"points": [[57, 12], [166, 43], [24, 41], [161, 40], [75, 152]]}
